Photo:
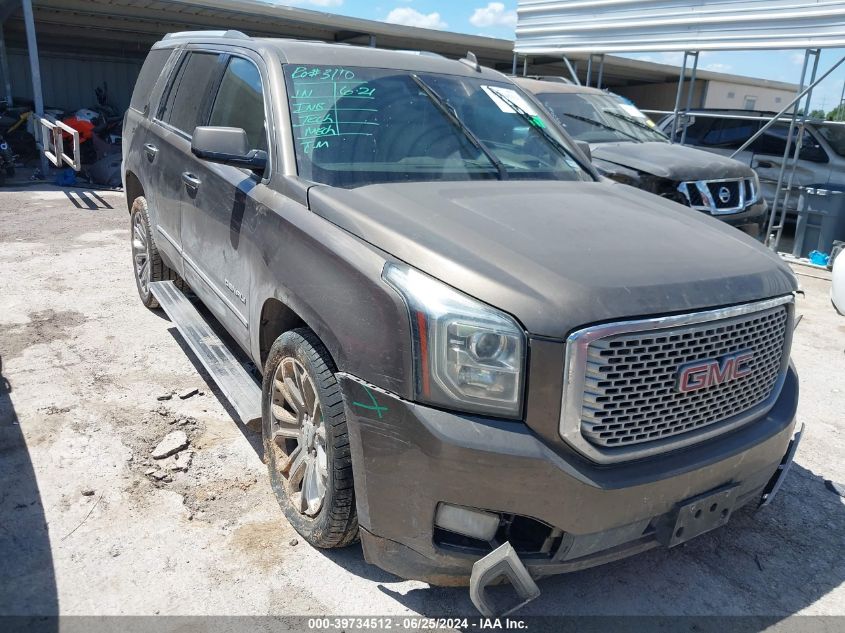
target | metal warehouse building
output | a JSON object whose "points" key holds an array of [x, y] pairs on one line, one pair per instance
{"points": [[82, 43]]}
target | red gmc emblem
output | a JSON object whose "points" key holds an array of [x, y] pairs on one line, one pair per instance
{"points": [[716, 371]]}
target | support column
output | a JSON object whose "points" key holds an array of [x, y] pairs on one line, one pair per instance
{"points": [[840, 116], [35, 70], [601, 72], [573, 72], [678, 97], [690, 95], [4, 70]]}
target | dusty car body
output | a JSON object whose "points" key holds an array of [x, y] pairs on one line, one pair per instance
{"points": [[514, 349], [626, 147]]}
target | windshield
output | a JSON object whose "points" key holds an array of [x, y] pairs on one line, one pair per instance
{"points": [[834, 135], [600, 118], [357, 126]]}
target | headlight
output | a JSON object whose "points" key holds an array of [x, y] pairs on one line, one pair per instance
{"points": [[467, 355]]}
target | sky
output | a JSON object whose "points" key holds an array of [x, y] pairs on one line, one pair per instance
{"points": [[498, 19]]}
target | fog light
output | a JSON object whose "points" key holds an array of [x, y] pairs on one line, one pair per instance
{"points": [[467, 521]]}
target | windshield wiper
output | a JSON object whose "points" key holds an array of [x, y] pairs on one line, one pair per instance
{"points": [[537, 123], [604, 126], [449, 111], [634, 121]]}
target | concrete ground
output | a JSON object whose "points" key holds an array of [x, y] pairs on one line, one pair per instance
{"points": [[85, 528]]}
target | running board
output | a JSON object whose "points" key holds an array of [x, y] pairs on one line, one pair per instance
{"points": [[234, 381]]}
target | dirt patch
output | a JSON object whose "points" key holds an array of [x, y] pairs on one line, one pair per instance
{"points": [[44, 326], [267, 543]]}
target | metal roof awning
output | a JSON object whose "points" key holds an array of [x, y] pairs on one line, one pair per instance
{"points": [[617, 26]]}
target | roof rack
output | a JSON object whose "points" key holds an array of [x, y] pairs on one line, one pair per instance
{"points": [[230, 34]]}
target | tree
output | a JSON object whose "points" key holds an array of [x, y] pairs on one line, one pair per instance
{"points": [[837, 114], [817, 114]]}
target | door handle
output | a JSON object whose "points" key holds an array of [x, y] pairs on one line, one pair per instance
{"points": [[151, 150], [191, 181], [764, 164]]}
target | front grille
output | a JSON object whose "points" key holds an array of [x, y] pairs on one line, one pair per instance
{"points": [[726, 195], [719, 197], [626, 382]]}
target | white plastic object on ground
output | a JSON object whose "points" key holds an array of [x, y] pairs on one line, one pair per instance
{"points": [[837, 286]]}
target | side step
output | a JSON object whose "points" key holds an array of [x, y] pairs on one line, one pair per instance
{"points": [[234, 381]]}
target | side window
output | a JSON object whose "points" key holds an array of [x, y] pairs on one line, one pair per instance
{"points": [[183, 106], [148, 77], [696, 131], [812, 150], [240, 102], [773, 143], [729, 133]]}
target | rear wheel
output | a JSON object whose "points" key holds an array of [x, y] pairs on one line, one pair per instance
{"points": [[146, 261], [306, 443]]}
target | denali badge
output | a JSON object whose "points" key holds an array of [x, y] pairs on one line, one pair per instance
{"points": [[716, 371], [724, 195]]}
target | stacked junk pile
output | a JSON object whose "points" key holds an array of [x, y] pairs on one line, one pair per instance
{"points": [[99, 126]]}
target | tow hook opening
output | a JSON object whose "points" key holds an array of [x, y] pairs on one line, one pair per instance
{"points": [[501, 564]]}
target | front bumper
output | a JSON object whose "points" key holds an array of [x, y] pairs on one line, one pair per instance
{"points": [[752, 220], [408, 458]]}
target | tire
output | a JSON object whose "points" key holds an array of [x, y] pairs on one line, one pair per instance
{"points": [[299, 449], [147, 264]]}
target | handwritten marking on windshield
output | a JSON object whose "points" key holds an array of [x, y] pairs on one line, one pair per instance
{"points": [[317, 92]]}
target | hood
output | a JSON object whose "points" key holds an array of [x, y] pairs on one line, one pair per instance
{"points": [[675, 162], [558, 255]]}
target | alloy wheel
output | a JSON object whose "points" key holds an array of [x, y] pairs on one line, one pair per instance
{"points": [[299, 436], [140, 252]]}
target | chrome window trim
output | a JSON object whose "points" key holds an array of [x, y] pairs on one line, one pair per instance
{"points": [[706, 196], [574, 377]]}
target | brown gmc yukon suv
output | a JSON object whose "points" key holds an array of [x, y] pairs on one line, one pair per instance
{"points": [[467, 336]]}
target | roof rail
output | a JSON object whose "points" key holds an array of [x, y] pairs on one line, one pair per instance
{"points": [[420, 53], [552, 78], [231, 34]]}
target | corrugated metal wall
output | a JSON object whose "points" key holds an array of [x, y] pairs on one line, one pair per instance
{"points": [[68, 82], [615, 26]]}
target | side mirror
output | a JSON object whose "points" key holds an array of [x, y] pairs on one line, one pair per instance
{"points": [[227, 146], [584, 146]]}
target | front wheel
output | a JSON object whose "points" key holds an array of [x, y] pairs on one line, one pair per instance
{"points": [[306, 442]]}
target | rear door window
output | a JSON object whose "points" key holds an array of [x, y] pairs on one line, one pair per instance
{"points": [[240, 102], [150, 72], [183, 108]]}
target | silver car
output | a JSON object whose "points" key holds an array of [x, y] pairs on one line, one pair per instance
{"points": [[821, 161]]}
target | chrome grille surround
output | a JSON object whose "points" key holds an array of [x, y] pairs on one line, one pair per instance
{"points": [[702, 195], [691, 417]]}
